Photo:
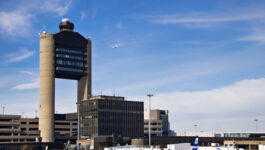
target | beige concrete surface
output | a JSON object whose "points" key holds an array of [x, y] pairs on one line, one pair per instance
{"points": [[46, 93]]}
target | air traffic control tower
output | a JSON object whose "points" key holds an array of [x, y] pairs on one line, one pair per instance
{"points": [[67, 55]]}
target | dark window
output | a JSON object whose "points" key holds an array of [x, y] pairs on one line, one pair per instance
{"points": [[6, 127], [69, 69], [69, 51], [71, 63], [5, 120], [5, 134], [62, 129], [5, 140], [69, 56], [62, 123], [32, 129]]}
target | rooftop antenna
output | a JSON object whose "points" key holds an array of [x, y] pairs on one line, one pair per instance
{"points": [[36, 114], [113, 92], [3, 109], [43, 30]]}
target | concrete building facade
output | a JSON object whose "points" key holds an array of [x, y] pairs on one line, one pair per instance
{"points": [[159, 123], [67, 55], [14, 129]]}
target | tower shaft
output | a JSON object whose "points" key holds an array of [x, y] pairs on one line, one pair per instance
{"points": [[47, 86]]}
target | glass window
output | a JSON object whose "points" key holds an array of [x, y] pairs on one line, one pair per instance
{"points": [[69, 56], [69, 69], [69, 51], [71, 63]]}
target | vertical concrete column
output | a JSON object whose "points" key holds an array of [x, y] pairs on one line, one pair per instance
{"points": [[84, 84], [46, 93]]}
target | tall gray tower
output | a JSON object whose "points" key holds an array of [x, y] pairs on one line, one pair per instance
{"points": [[67, 55]]}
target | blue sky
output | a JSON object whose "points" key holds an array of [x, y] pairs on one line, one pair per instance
{"points": [[203, 60]]}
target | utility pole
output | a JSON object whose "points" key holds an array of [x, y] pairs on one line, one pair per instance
{"points": [[149, 123], [256, 121], [3, 109], [36, 116]]}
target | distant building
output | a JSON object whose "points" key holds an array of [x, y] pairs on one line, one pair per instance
{"points": [[159, 122], [111, 116], [14, 129], [223, 134]]}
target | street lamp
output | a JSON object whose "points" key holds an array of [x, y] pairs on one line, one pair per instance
{"points": [[3, 109], [149, 122], [36, 115], [195, 127], [256, 121]]}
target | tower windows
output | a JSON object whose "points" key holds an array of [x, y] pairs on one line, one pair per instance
{"points": [[69, 56], [69, 51], [70, 63]]}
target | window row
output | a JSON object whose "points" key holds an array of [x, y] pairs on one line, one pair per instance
{"points": [[69, 51], [69, 69], [69, 56], [71, 63]]}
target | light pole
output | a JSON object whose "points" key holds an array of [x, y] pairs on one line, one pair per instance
{"points": [[78, 125], [256, 121], [149, 122], [36, 116], [4, 110], [195, 127]]}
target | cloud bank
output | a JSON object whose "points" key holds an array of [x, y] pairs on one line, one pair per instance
{"points": [[15, 23], [241, 101]]}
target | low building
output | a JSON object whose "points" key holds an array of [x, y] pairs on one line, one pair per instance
{"points": [[159, 123], [245, 144], [14, 129], [111, 116], [200, 134]]}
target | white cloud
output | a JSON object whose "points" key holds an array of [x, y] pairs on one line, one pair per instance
{"points": [[22, 54], [240, 101], [15, 23], [19, 21], [83, 15], [27, 72], [56, 7], [167, 80], [207, 18], [26, 86], [256, 36]]}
